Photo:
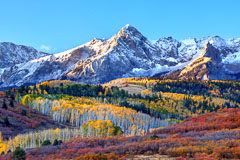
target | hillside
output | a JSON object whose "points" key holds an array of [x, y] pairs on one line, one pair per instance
{"points": [[19, 119], [211, 135], [65, 115]]}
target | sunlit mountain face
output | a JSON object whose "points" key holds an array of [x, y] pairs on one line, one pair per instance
{"points": [[126, 54]]}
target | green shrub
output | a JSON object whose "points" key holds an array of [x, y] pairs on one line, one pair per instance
{"points": [[46, 143], [19, 154]]}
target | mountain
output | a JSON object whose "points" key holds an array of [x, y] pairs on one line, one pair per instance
{"points": [[11, 54], [129, 54], [217, 61]]}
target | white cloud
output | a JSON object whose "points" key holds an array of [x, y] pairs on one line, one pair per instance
{"points": [[45, 48]]}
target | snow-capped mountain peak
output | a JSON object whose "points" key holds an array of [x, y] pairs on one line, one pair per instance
{"points": [[130, 54], [130, 31]]}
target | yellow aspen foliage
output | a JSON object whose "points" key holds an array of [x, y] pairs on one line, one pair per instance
{"points": [[45, 92]]}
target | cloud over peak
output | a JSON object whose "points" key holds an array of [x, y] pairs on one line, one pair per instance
{"points": [[45, 47]]}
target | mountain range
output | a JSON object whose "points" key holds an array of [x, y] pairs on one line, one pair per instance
{"points": [[126, 54]]}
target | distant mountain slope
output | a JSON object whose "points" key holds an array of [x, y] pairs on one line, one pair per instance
{"points": [[11, 54], [213, 64], [127, 54]]}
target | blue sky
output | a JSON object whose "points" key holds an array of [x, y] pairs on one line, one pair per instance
{"points": [[57, 25]]}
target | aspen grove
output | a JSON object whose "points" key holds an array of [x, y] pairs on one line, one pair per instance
{"points": [[77, 111], [36, 139]]}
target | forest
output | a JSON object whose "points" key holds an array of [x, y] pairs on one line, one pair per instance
{"points": [[178, 118], [209, 136]]}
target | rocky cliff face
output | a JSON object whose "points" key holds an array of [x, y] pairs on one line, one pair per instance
{"points": [[215, 63], [130, 54]]}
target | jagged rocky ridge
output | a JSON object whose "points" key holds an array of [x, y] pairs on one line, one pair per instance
{"points": [[130, 54], [214, 63]]}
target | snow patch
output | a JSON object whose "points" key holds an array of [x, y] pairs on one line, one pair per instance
{"points": [[189, 41], [171, 59], [232, 58]]}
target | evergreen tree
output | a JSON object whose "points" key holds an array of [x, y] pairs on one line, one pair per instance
{"points": [[55, 142], [4, 105], [11, 104], [24, 112], [6, 121], [19, 154]]}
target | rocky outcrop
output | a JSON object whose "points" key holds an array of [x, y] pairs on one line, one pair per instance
{"points": [[212, 64]]}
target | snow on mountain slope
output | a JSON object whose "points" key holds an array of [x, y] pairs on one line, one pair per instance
{"points": [[219, 60], [126, 54], [11, 54], [232, 58]]}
